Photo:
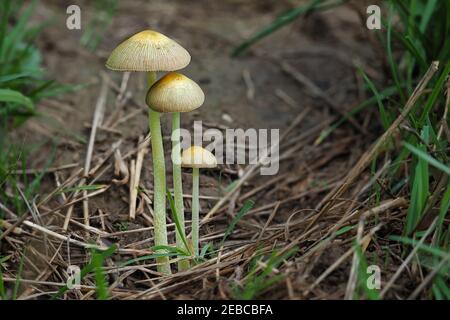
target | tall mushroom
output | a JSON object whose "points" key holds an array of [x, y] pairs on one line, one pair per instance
{"points": [[150, 51], [196, 158], [175, 93]]}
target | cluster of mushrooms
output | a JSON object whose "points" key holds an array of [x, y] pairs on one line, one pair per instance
{"points": [[150, 51]]}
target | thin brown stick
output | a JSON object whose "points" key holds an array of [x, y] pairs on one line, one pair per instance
{"points": [[132, 206], [249, 84], [269, 220], [351, 284], [137, 176], [15, 225], [46, 170], [61, 237], [69, 182], [96, 121]]}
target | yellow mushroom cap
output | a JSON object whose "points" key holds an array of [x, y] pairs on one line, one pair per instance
{"points": [[148, 51], [175, 93], [197, 157]]}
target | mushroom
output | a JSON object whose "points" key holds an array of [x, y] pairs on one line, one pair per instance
{"points": [[175, 93], [196, 158], [151, 51], [148, 51]]}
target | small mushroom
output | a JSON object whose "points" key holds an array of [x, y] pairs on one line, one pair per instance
{"points": [[196, 158], [175, 93], [151, 51]]}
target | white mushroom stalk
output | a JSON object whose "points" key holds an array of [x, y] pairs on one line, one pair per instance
{"points": [[196, 158], [159, 180]]}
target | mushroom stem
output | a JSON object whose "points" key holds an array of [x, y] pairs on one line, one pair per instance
{"points": [[178, 187], [195, 208], [159, 181]]}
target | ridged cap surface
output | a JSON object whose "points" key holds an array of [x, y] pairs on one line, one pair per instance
{"points": [[148, 51]]}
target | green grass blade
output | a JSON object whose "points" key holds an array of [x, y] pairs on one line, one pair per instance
{"points": [[8, 95], [372, 294], [415, 52], [18, 276], [436, 93], [204, 250], [437, 293], [83, 188], [248, 205], [2, 284], [420, 187], [345, 230], [427, 13], [383, 114], [177, 221], [53, 90], [443, 287], [283, 20], [443, 212], [148, 257], [14, 76], [424, 247], [16, 34], [425, 156], [171, 249], [101, 285], [393, 65], [5, 6], [408, 22]]}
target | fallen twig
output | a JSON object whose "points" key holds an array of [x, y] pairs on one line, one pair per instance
{"points": [[98, 116]]}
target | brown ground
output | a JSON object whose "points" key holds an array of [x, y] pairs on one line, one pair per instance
{"points": [[324, 47]]}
